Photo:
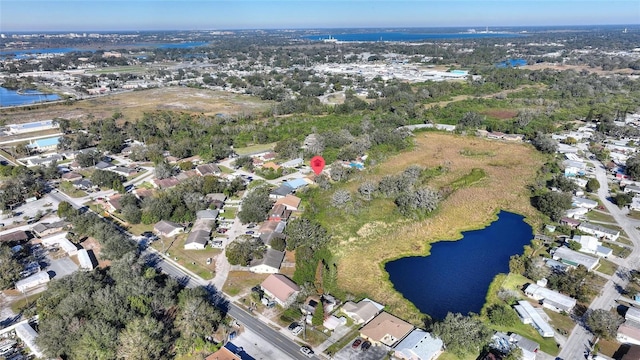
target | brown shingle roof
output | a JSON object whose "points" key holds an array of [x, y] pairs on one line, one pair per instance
{"points": [[280, 286], [290, 201], [387, 329]]}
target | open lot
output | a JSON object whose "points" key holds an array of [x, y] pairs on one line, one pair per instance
{"points": [[134, 103], [194, 260]]}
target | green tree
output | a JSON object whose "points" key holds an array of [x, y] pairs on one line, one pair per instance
{"points": [[318, 315], [574, 245], [553, 204], [592, 185], [143, 339], [10, 268], [502, 315], [255, 206], [603, 323], [65, 210], [623, 199], [461, 334], [514, 354], [305, 232]]}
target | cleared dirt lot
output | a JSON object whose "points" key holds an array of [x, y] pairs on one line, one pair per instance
{"points": [[134, 103]]}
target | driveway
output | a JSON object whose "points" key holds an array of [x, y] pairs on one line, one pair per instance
{"points": [[61, 268]]}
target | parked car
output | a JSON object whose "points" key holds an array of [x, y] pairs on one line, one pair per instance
{"points": [[297, 330], [356, 343], [365, 345], [209, 261], [293, 325], [307, 351], [250, 232]]}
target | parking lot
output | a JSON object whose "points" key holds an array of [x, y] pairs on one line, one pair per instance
{"points": [[373, 353]]}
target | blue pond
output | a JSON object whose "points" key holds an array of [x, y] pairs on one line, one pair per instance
{"points": [[457, 274], [12, 98]]}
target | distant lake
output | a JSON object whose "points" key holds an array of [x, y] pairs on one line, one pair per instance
{"points": [[12, 98], [402, 36], [29, 52], [457, 274]]}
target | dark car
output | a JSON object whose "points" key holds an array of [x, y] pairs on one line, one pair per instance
{"points": [[356, 343], [293, 325], [365, 345]]}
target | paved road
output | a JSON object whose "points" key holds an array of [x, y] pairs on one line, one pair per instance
{"points": [[579, 339]]}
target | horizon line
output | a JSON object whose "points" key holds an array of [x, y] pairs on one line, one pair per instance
{"points": [[315, 28]]}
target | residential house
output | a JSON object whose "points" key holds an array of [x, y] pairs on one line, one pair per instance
{"points": [[281, 289], [71, 176], [635, 203], [271, 165], [44, 161], [576, 213], [584, 203], [332, 322], [216, 199], [386, 329], [419, 345], [506, 342], [165, 183], [167, 228], [269, 264], [223, 354], [29, 337], [550, 299], [629, 333], [32, 281], [197, 240], [113, 203], [574, 258], [85, 260], [296, 184], [208, 169], [142, 194], [599, 231], [103, 165], [632, 189], [124, 171], [280, 192], [279, 213], [591, 245], [574, 168], [60, 240], [293, 163], [44, 229], [83, 184], [14, 236], [290, 202], [207, 214], [363, 311], [530, 315], [567, 221]]}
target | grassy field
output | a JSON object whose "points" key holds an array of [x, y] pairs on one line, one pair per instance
{"points": [[499, 182], [194, 260], [253, 149], [133, 104], [607, 267], [597, 215], [240, 282]]}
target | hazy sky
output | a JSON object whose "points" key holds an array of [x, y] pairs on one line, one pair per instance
{"points": [[52, 15]]}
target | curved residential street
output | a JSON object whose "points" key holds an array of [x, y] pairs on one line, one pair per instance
{"points": [[578, 341]]}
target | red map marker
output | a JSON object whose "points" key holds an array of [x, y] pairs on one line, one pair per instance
{"points": [[317, 164]]}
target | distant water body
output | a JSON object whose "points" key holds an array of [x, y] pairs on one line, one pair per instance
{"points": [[30, 52], [456, 275], [13, 98], [402, 36]]}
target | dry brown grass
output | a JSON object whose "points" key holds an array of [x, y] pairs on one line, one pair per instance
{"points": [[241, 282], [508, 172], [133, 104]]}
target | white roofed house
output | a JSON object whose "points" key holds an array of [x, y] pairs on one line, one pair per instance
{"points": [[576, 213], [574, 258], [629, 331], [32, 281], [167, 228], [529, 315], [632, 189], [85, 260], [591, 245], [599, 231], [363, 311], [584, 203], [419, 345], [550, 299], [29, 336]]}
